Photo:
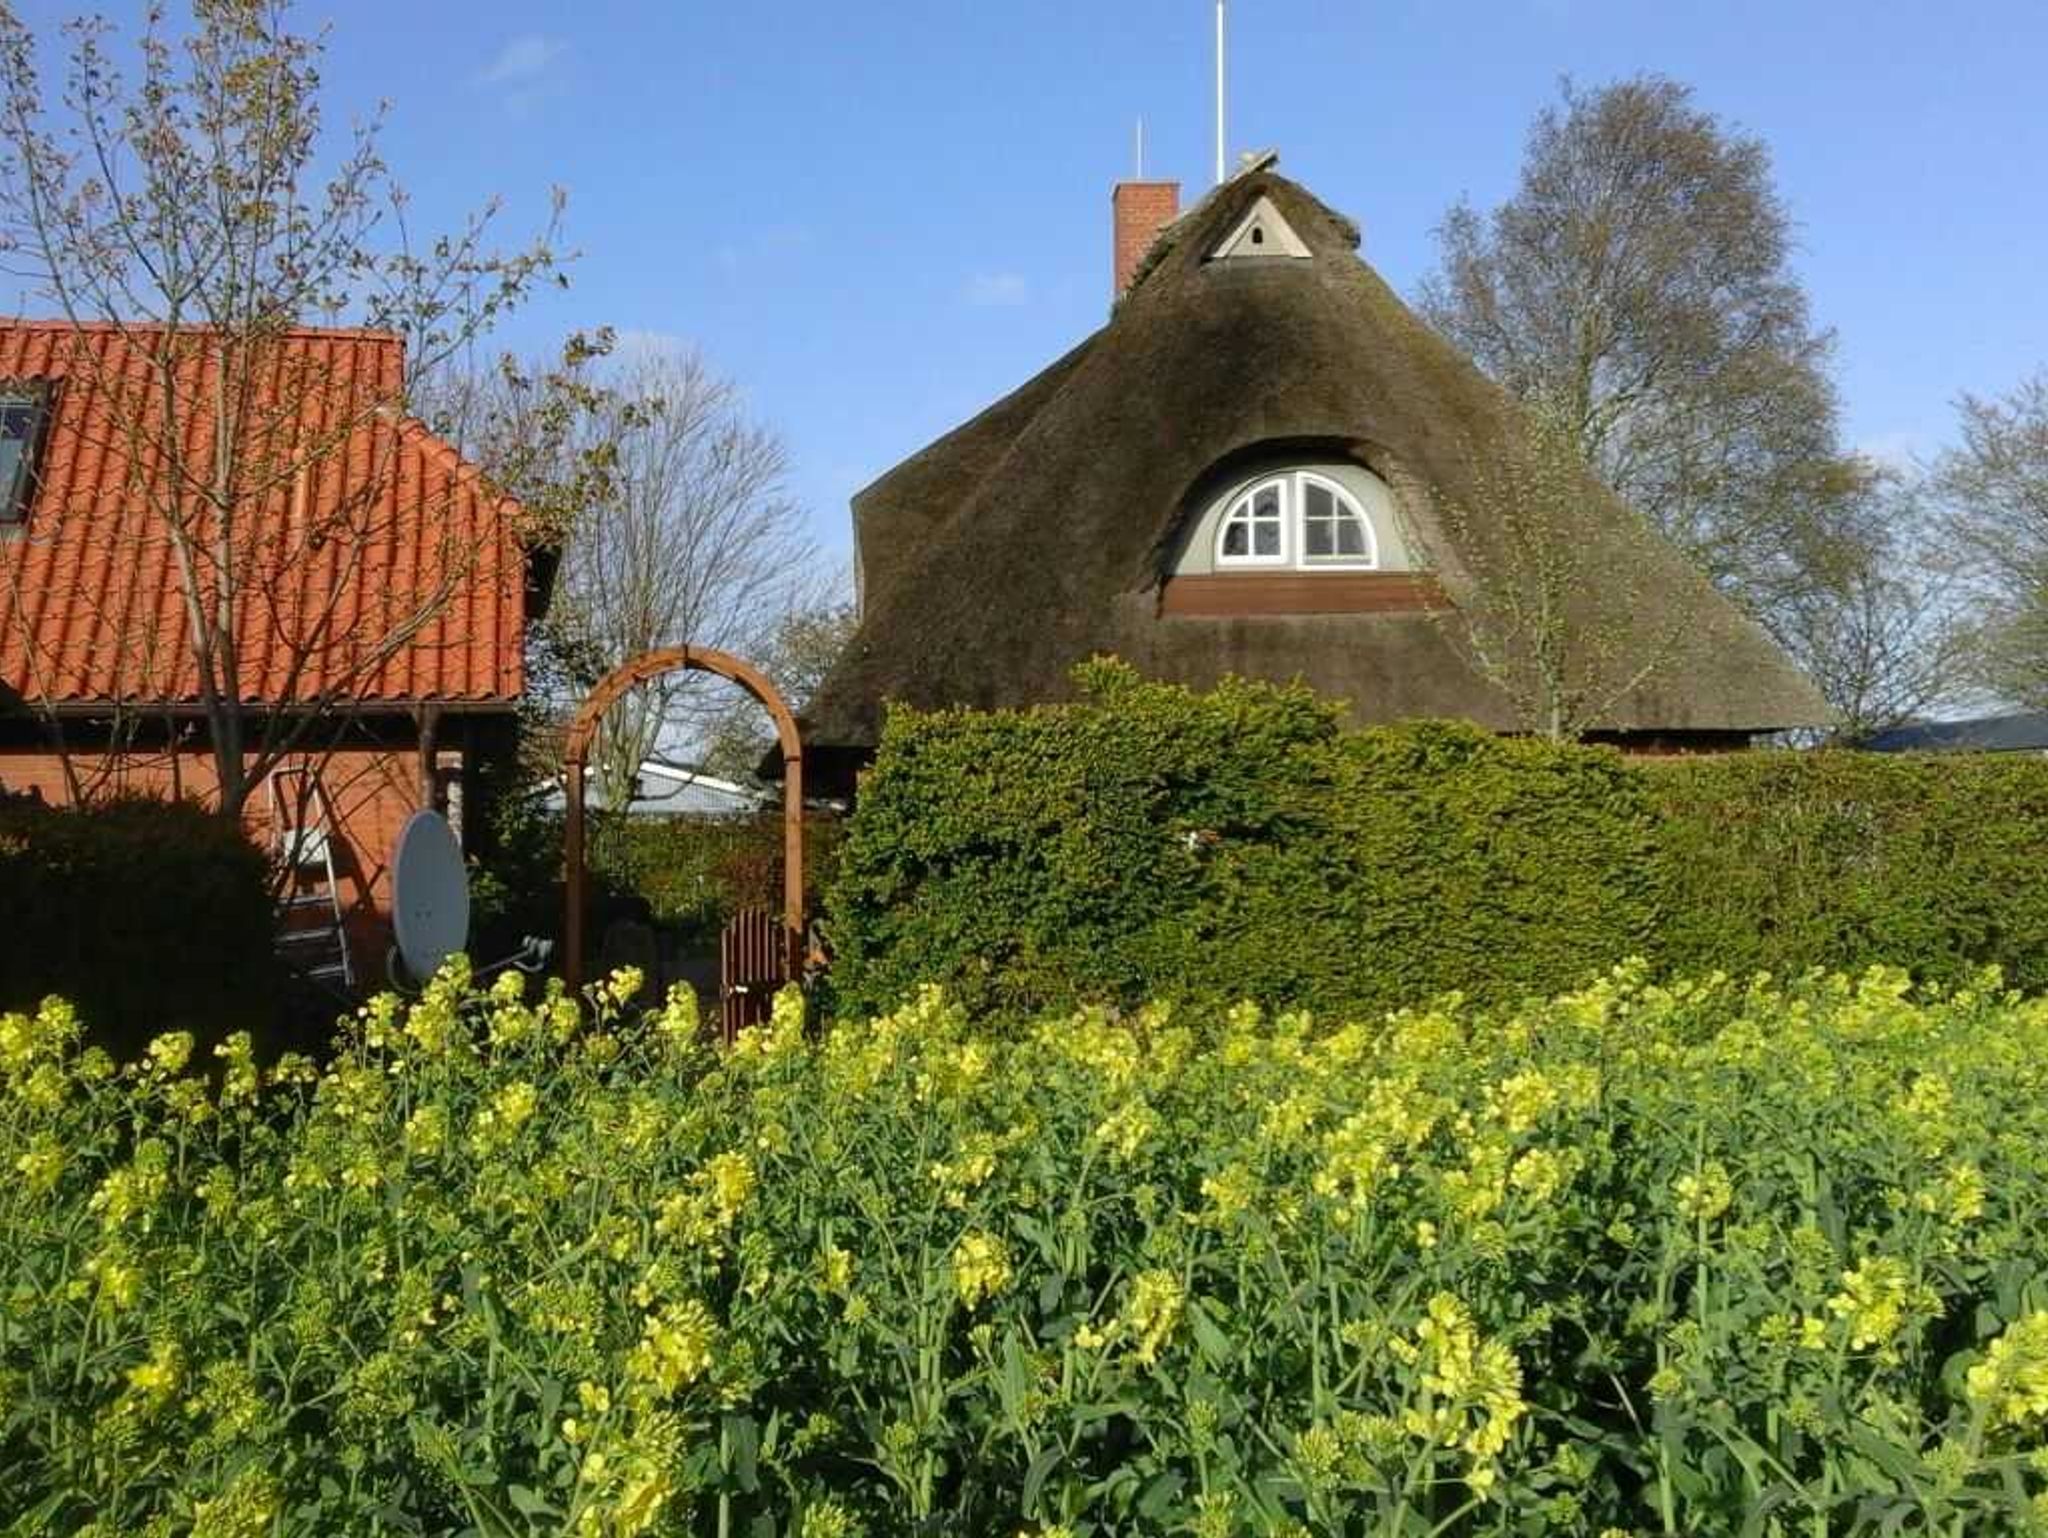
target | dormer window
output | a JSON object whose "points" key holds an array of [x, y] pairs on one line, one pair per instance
{"points": [[23, 407], [1302, 519]]}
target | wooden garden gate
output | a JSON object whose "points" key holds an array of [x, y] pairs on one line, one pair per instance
{"points": [[753, 964]]}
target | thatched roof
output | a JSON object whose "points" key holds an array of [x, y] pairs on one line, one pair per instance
{"points": [[1036, 534]]}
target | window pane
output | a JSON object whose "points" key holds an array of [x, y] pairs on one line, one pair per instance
{"points": [[1350, 537], [1234, 538], [17, 426], [1266, 537], [1318, 536], [1267, 503], [10, 468], [1317, 501]]}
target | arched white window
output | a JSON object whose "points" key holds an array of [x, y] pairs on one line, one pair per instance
{"points": [[1301, 519], [1334, 529], [1254, 531]]}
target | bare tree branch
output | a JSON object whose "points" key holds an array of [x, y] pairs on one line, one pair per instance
{"points": [[1994, 489], [685, 530], [1549, 611]]}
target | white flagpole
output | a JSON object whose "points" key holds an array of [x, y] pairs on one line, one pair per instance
{"points": [[1219, 93]]}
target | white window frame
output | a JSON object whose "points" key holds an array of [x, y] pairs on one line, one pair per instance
{"points": [[1290, 486], [1283, 489], [1346, 502]]}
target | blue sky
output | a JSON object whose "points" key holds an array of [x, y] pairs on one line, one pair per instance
{"points": [[878, 218]]}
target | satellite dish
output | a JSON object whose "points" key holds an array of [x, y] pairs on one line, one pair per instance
{"points": [[429, 894]]}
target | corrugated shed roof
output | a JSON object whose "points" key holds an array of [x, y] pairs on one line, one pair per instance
{"points": [[371, 563], [2026, 732]]}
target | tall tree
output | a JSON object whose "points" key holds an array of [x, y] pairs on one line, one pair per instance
{"points": [[201, 211], [1994, 485], [1881, 629], [686, 531], [1638, 283]]}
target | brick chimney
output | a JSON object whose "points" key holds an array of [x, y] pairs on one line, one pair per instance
{"points": [[1142, 210]]}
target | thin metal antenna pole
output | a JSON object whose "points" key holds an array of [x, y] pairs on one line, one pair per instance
{"points": [[1141, 150], [1219, 92]]}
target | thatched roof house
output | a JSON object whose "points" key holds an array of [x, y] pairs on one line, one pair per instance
{"points": [[1238, 474]]}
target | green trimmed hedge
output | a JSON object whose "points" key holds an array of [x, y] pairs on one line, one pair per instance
{"points": [[1779, 862], [1148, 842], [149, 915]]}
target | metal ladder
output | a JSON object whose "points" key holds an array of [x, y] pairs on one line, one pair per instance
{"points": [[312, 934]]}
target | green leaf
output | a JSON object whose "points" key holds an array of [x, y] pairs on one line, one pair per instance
{"points": [[1209, 1336], [528, 1504], [1035, 1477], [742, 1449]]}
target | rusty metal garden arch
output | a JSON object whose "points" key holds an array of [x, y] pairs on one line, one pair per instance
{"points": [[583, 730]]}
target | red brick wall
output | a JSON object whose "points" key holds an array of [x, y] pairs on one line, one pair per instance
{"points": [[1141, 210], [372, 792]]}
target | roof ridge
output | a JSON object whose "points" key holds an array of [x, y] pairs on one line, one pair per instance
{"points": [[459, 463], [296, 329]]}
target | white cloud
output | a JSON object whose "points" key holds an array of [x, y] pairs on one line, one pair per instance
{"points": [[998, 290], [522, 60], [632, 344]]}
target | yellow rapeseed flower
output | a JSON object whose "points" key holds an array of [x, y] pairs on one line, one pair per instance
{"points": [[677, 1026], [248, 1508], [837, 1267], [1231, 1190], [642, 1497], [156, 1380], [426, 1130], [1957, 1197], [675, 1348], [728, 1179], [510, 1109], [960, 1177], [1473, 1387], [133, 1191], [169, 1053], [1156, 1302], [2011, 1384], [1127, 1128], [827, 1519], [1873, 1299], [42, 1166], [1705, 1195], [981, 1267]]}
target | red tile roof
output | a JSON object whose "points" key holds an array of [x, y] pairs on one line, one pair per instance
{"points": [[372, 562]]}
